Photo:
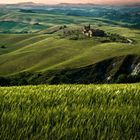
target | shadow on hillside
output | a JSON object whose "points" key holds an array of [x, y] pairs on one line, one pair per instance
{"points": [[123, 69]]}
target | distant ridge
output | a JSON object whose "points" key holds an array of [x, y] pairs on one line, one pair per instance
{"points": [[92, 4], [26, 3], [78, 4], [70, 4]]}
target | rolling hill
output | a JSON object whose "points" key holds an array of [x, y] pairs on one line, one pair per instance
{"points": [[32, 41]]}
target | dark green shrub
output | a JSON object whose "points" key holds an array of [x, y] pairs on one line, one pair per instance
{"points": [[4, 81], [3, 46], [122, 78]]}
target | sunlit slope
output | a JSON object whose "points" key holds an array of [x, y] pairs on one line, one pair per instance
{"points": [[42, 52]]}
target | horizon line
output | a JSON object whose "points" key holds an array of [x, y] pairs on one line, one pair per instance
{"points": [[72, 3], [83, 3]]}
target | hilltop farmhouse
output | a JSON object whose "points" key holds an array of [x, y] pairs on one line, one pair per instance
{"points": [[89, 32]]}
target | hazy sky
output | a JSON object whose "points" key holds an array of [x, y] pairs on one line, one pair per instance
{"points": [[72, 1]]}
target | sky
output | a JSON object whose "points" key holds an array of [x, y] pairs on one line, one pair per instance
{"points": [[73, 1]]}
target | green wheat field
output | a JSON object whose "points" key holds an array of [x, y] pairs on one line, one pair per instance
{"points": [[70, 112]]}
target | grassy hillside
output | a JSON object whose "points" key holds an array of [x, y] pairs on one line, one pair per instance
{"points": [[42, 52], [30, 38], [70, 112]]}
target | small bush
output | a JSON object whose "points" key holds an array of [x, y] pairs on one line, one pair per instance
{"points": [[3, 46]]}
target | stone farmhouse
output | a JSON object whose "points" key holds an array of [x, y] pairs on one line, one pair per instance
{"points": [[89, 32]]}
